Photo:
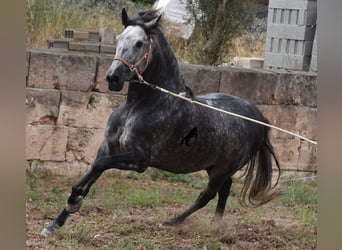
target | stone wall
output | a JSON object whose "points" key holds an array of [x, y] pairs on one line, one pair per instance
{"points": [[68, 104]]}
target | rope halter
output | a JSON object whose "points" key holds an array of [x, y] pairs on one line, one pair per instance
{"points": [[135, 66]]}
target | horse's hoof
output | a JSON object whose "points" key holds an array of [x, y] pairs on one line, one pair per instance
{"points": [[50, 229], [46, 232], [171, 223]]}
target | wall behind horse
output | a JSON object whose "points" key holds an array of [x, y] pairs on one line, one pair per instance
{"points": [[68, 104]]}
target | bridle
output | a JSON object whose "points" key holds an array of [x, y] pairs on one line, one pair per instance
{"points": [[135, 66]]}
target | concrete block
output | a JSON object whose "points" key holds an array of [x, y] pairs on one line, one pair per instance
{"points": [[82, 46], [79, 35], [248, 62], [46, 142], [68, 33], [42, 106], [65, 71], [107, 49], [313, 62], [201, 79], [58, 44], [290, 33], [94, 36], [107, 36]]}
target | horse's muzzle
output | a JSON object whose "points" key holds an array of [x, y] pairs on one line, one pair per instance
{"points": [[115, 83]]}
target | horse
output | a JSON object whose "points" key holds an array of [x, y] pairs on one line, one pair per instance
{"points": [[154, 129]]}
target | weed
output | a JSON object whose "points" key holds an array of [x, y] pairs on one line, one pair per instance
{"points": [[299, 193], [133, 175], [191, 180], [142, 198], [210, 244], [307, 216]]}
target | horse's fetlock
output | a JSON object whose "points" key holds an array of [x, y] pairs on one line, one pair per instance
{"points": [[74, 204]]}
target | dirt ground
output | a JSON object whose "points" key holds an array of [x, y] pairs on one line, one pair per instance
{"points": [[111, 219]]}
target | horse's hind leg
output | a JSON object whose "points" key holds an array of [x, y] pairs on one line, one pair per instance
{"points": [[124, 161], [214, 185], [223, 194]]}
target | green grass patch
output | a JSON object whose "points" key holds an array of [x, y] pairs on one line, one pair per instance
{"points": [[299, 193], [191, 180]]}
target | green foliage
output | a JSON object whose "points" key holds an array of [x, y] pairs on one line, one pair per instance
{"points": [[193, 181], [307, 215], [47, 19], [299, 193], [218, 23]]}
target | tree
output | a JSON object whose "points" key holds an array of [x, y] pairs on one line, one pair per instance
{"points": [[218, 22]]}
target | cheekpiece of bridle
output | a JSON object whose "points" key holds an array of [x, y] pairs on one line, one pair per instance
{"points": [[135, 66]]}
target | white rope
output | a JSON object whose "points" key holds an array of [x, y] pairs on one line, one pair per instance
{"points": [[226, 112]]}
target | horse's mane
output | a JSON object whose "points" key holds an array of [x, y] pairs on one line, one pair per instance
{"points": [[148, 15], [145, 17]]}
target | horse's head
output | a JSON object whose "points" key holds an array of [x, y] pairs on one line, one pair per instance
{"points": [[133, 49]]}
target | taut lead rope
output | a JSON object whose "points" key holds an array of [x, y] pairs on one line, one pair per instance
{"points": [[135, 67], [181, 96]]}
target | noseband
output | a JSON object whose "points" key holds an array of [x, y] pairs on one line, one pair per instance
{"points": [[135, 66]]}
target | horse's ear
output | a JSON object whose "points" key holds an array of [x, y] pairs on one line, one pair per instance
{"points": [[153, 23], [124, 18]]}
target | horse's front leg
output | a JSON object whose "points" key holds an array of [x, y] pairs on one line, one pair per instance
{"points": [[123, 161]]}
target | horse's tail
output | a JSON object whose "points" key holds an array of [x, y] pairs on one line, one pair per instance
{"points": [[257, 188]]}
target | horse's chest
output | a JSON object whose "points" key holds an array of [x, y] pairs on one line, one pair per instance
{"points": [[127, 135]]}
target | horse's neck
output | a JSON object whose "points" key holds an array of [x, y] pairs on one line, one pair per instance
{"points": [[163, 70]]}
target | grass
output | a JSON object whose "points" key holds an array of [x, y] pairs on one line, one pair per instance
{"points": [[121, 212], [302, 193]]}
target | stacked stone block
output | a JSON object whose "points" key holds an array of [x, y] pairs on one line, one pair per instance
{"points": [[291, 26]]}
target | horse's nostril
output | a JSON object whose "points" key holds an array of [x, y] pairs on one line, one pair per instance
{"points": [[112, 78], [108, 78]]}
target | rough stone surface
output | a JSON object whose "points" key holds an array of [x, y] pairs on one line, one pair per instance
{"points": [[87, 110], [288, 152], [83, 144], [201, 79], [296, 89], [42, 106], [66, 71], [64, 168], [46, 142], [255, 86], [68, 104], [27, 62], [107, 35]]}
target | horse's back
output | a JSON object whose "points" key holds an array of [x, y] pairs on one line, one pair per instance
{"points": [[232, 104]]}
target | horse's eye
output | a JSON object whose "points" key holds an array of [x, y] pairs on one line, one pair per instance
{"points": [[139, 44]]}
